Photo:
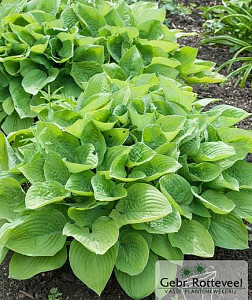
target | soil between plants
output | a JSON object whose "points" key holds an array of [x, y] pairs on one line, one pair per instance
{"points": [[63, 279]]}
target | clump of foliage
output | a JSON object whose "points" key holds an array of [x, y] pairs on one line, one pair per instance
{"points": [[230, 24], [143, 173], [122, 163], [64, 44]]}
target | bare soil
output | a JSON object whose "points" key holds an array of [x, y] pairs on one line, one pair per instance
{"points": [[63, 279]]}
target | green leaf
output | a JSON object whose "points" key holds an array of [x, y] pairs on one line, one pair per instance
{"points": [[132, 62], [193, 238], [92, 135], [242, 172], [162, 247], [44, 193], [86, 214], [133, 253], [213, 151], [39, 235], [3, 253], [36, 79], [52, 138], [139, 154], [24, 267], [55, 169], [142, 285], [47, 6], [176, 187], [21, 99], [215, 201], [168, 224], [84, 70], [174, 94], [158, 166], [229, 135], [115, 136], [224, 230], [91, 17], [224, 181], [13, 123], [107, 190], [84, 158], [243, 203], [143, 203], [186, 56], [8, 106], [82, 261], [204, 171], [11, 194], [103, 236], [34, 170], [80, 183], [228, 116], [97, 84]]}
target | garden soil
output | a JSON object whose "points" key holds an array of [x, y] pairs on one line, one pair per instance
{"points": [[63, 279]]}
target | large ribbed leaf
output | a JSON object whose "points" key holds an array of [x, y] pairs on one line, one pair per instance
{"points": [[103, 236], [142, 285], [243, 203], [34, 170], [143, 203], [162, 247], [176, 187], [156, 167], [212, 151], [11, 195], [193, 238], [52, 138], [139, 154], [204, 171], [80, 183], [242, 172], [107, 190], [228, 231], [82, 261], [44, 193], [24, 267], [39, 235], [55, 169], [215, 201], [133, 253], [168, 224], [92, 135]]}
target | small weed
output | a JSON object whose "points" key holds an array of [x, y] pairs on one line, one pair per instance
{"points": [[54, 294]]}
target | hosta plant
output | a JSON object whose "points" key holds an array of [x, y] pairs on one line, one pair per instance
{"points": [[64, 43], [143, 173]]}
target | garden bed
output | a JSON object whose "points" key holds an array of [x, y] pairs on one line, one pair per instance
{"points": [[63, 279]]}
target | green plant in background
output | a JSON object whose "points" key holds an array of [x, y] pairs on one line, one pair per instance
{"points": [[63, 44], [122, 163], [230, 24], [173, 7]]}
